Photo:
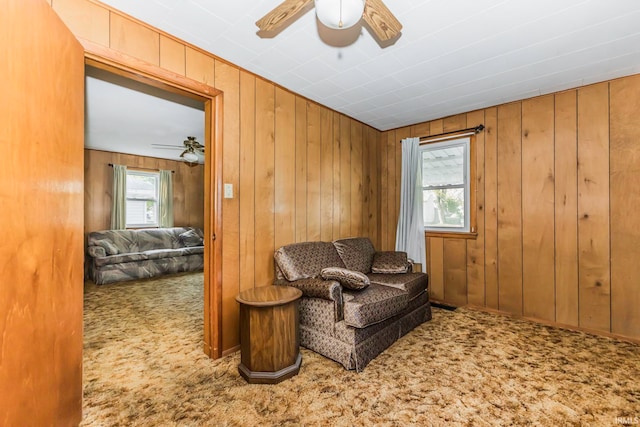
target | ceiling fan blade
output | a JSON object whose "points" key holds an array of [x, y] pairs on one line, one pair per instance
{"points": [[167, 147], [281, 15], [381, 20]]}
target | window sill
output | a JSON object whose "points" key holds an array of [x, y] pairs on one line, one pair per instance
{"points": [[451, 234]]}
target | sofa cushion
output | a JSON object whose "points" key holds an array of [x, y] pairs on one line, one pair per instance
{"points": [[348, 278], [120, 258], [163, 253], [373, 304], [412, 283], [306, 260], [190, 238], [356, 253], [390, 262], [156, 238]]}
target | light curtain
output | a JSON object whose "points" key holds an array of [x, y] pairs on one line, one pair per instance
{"points": [[119, 198], [165, 207], [410, 231]]}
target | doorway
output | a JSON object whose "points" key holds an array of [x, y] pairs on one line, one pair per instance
{"points": [[106, 60]]}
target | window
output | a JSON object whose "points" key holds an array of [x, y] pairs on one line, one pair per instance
{"points": [[445, 185], [142, 199]]}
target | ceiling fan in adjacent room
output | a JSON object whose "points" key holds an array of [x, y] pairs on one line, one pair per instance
{"points": [[192, 149], [336, 14]]}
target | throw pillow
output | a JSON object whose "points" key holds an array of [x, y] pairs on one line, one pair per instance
{"points": [[191, 238], [390, 262], [356, 253], [348, 278]]}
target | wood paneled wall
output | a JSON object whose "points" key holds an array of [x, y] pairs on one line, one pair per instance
{"points": [[299, 170], [188, 188], [557, 195]]}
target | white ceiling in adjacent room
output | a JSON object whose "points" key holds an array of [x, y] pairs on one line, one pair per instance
{"points": [[453, 55], [125, 116]]}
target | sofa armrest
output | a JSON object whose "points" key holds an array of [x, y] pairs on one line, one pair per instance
{"points": [[318, 288], [96, 251]]}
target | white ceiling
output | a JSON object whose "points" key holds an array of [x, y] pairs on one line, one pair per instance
{"points": [[453, 55], [124, 116]]}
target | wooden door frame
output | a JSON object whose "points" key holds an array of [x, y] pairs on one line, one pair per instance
{"points": [[99, 56]]}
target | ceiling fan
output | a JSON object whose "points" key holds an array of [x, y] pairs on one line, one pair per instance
{"points": [[337, 14], [192, 149]]}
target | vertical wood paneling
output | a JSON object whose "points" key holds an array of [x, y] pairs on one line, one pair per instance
{"points": [[538, 279], [337, 176], [625, 202], [301, 169], [393, 190], [135, 39], [357, 198], [453, 123], [436, 268], [313, 171], [593, 206], [509, 208], [86, 20], [384, 192], [285, 169], [545, 223], [491, 207], [475, 247], [369, 188], [228, 80], [264, 182], [247, 180], [326, 175], [188, 188], [345, 177], [455, 271], [199, 67], [566, 208], [172, 55]]}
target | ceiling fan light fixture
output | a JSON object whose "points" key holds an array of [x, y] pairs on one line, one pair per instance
{"points": [[190, 157], [339, 14]]}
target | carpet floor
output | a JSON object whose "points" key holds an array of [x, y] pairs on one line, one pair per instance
{"points": [[144, 366]]}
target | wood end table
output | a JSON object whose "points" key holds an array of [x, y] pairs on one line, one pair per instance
{"points": [[269, 334]]}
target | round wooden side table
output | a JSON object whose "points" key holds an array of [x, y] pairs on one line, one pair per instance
{"points": [[269, 334]]}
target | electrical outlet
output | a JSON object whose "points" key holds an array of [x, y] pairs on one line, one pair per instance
{"points": [[228, 191]]}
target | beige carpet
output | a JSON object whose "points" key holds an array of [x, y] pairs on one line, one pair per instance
{"points": [[144, 366]]}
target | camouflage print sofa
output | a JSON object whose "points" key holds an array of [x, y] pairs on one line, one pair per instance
{"points": [[356, 301], [119, 255]]}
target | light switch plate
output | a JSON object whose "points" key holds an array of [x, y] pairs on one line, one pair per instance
{"points": [[228, 191]]}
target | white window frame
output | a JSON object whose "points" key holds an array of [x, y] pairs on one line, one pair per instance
{"points": [[156, 199], [438, 145]]}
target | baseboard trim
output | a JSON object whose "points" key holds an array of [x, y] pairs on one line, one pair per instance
{"points": [[231, 350]]}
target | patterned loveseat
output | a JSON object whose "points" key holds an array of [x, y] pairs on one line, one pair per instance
{"points": [[119, 255], [356, 301]]}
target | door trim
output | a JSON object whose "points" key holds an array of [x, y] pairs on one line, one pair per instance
{"points": [[102, 57]]}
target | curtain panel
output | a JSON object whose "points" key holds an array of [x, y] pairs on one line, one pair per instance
{"points": [[410, 231], [119, 198], [165, 213]]}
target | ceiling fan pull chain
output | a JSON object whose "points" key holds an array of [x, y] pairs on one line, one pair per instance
{"points": [[340, 23]]}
